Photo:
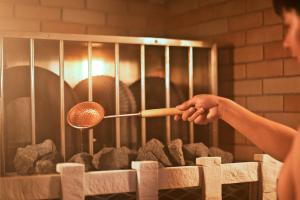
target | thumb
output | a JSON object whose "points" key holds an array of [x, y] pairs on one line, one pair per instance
{"points": [[212, 114]]}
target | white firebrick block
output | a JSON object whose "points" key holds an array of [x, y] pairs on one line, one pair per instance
{"points": [[72, 180], [147, 179]]}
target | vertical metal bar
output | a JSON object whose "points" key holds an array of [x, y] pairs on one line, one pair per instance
{"points": [[167, 85], [213, 70], [191, 90], [62, 100], [90, 94], [2, 154], [117, 91], [143, 95], [32, 92]]}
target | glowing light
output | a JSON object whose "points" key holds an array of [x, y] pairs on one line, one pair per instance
{"points": [[99, 67]]}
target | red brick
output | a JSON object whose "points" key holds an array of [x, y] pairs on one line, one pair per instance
{"points": [[270, 17], [146, 9], [60, 27], [253, 5], [230, 8], [288, 119], [248, 54], [282, 85], [155, 23], [37, 12], [209, 2], [190, 32], [239, 72], [64, 3], [191, 18], [138, 33], [245, 152], [265, 34], [104, 30], [29, 2], [128, 21], [291, 67], [265, 69], [229, 72], [83, 16], [249, 87], [111, 6], [6, 10], [19, 25], [213, 27], [180, 7], [244, 22], [275, 50], [230, 39], [265, 103], [291, 103]]}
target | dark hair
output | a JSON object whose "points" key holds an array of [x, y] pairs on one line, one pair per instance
{"points": [[280, 5]]}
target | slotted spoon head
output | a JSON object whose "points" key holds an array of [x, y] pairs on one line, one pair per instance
{"points": [[85, 115]]}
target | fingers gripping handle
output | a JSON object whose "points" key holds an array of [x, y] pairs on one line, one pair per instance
{"points": [[160, 112]]}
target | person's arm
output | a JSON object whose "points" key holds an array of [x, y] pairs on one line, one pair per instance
{"points": [[273, 138], [295, 155]]}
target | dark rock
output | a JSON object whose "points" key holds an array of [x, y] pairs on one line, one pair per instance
{"points": [[47, 163], [97, 156], [175, 150], [26, 158], [45, 148], [145, 155], [44, 167], [157, 149], [83, 158], [195, 150], [190, 163], [226, 157], [111, 158]]}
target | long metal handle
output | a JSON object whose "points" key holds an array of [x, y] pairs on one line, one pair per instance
{"points": [[122, 115], [160, 112]]}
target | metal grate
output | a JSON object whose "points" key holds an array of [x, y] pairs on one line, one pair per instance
{"points": [[116, 40]]}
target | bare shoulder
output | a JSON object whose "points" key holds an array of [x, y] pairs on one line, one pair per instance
{"points": [[295, 155]]}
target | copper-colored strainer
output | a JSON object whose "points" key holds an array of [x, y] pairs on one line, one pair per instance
{"points": [[85, 115]]}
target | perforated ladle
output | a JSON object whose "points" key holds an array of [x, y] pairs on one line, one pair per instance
{"points": [[88, 114]]}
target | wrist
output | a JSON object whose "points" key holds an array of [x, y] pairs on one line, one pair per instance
{"points": [[221, 101]]}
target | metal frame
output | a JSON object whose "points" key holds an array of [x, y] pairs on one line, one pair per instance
{"points": [[167, 87], [191, 91], [2, 147], [117, 93], [32, 92], [116, 40], [90, 93], [62, 100], [143, 95], [213, 71]]}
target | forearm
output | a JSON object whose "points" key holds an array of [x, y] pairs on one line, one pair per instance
{"points": [[273, 138]]}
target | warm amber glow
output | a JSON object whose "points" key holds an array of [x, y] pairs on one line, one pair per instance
{"points": [[99, 67]]}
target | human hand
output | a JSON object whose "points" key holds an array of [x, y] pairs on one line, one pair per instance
{"points": [[201, 109]]}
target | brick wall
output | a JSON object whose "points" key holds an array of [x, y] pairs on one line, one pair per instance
{"points": [[106, 17], [254, 69]]}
